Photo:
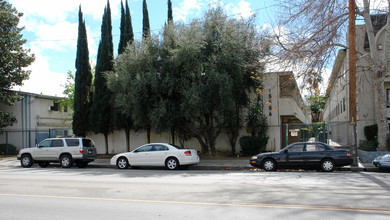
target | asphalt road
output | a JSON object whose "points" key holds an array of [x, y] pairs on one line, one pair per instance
{"points": [[101, 193]]}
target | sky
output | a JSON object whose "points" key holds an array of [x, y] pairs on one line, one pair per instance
{"points": [[51, 30]]}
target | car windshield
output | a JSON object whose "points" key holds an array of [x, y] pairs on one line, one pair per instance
{"points": [[177, 147]]}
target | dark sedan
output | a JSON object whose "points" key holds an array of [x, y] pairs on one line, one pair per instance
{"points": [[303, 155]]}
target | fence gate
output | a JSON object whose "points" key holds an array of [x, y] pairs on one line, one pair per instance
{"points": [[291, 133]]}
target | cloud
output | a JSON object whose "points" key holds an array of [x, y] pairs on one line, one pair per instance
{"points": [[375, 5], [52, 30], [42, 80], [59, 36], [187, 7], [243, 10], [51, 11], [95, 8]]}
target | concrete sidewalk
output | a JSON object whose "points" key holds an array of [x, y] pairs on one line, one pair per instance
{"points": [[204, 164], [237, 164]]}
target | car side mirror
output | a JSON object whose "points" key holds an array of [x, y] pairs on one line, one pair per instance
{"points": [[286, 151]]}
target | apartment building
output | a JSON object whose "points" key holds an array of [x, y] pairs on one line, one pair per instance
{"points": [[336, 112]]}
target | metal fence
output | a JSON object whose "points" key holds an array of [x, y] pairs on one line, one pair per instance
{"points": [[337, 134], [11, 141]]}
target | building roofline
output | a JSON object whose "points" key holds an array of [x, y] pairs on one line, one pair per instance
{"points": [[38, 95], [335, 70]]}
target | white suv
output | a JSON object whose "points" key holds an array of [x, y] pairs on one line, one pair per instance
{"points": [[63, 150]]}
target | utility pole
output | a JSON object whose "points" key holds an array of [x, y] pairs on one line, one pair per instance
{"points": [[352, 76]]}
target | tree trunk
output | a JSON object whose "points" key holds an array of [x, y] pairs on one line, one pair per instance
{"points": [[148, 134], [233, 131], [106, 142], [127, 132], [203, 144], [379, 74], [233, 140], [380, 104], [173, 134]]}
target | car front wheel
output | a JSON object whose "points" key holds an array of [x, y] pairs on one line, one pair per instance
{"points": [[328, 165], [26, 161], [172, 163], [66, 161], [122, 163], [269, 165]]}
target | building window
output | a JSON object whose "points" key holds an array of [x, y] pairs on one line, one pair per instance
{"points": [[344, 103], [388, 98], [55, 107]]}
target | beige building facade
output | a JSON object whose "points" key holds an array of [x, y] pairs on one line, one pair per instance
{"points": [[283, 105], [336, 112], [38, 117]]}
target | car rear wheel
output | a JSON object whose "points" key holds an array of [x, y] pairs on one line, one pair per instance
{"points": [[66, 161], [26, 161], [269, 165], [172, 163], [122, 163], [328, 165]]}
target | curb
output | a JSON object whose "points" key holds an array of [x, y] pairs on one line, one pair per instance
{"points": [[248, 168], [208, 165]]}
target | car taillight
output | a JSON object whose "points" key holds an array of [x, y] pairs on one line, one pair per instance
{"points": [[187, 153], [348, 154], [81, 150]]}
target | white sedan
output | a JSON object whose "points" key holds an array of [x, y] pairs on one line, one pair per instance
{"points": [[157, 154], [382, 161]]}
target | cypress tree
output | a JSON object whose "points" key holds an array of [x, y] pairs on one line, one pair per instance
{"points": [[170, 16], [101, 117], [129, 25], [121, 120], [145, 21], [126, 28], [83, 81], [122, 43]]}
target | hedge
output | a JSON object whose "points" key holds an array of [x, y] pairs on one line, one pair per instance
{"points": [[253, 145]]}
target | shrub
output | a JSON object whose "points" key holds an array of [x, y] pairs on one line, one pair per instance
{"points": [[11, 149], [369, 146], [371, 132], [252, 145]]}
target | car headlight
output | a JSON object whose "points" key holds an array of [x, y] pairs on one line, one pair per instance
{"points": [[254, 158]]}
